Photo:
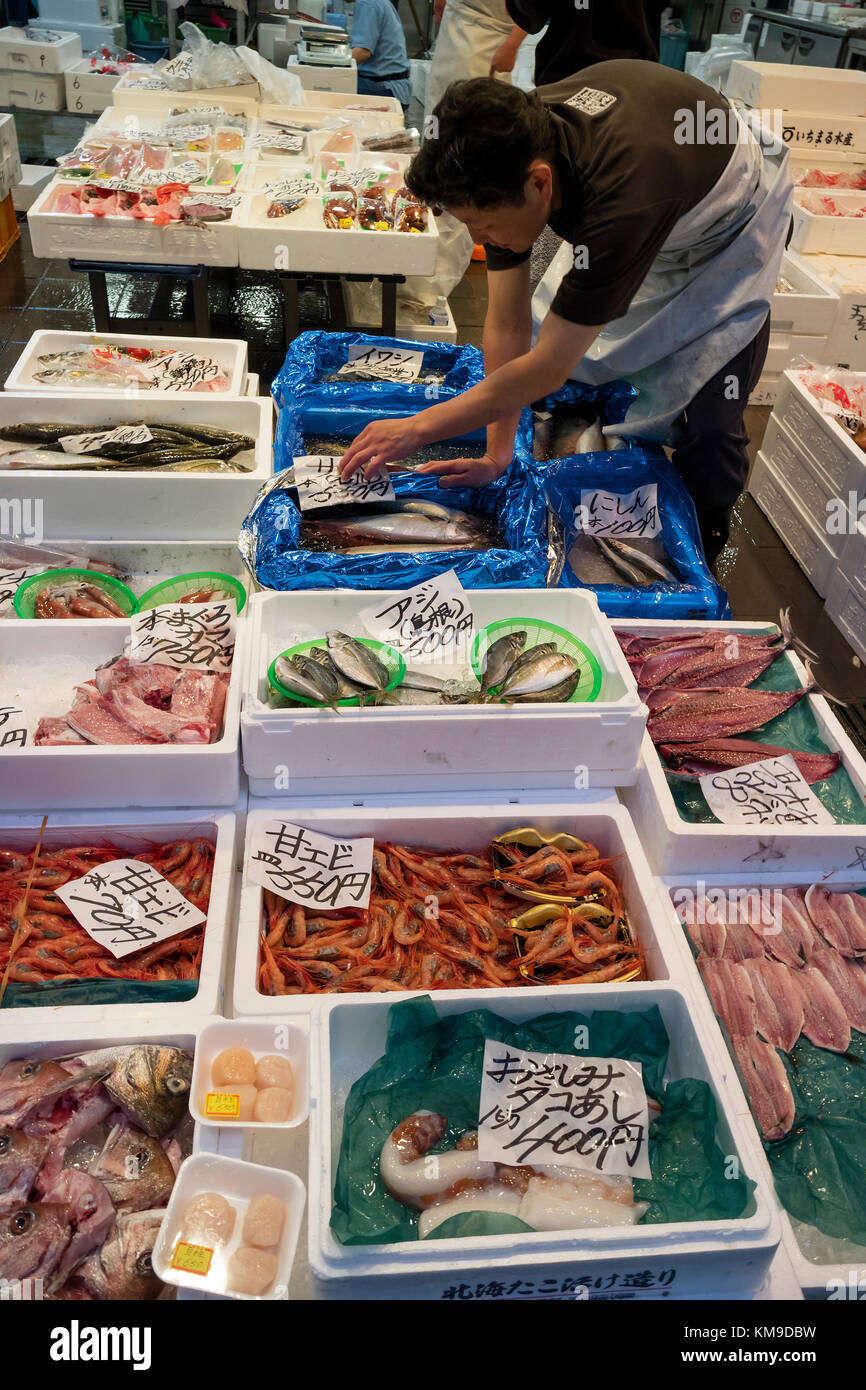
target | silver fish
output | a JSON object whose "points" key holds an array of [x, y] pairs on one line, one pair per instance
{"points": [[422, 680], [545, 673], [289, 676], [55, 459], [531, 654], [640, 559], [500, 657], [414, 524], [327, 682], [347, 689], [356, 661], [555, 695]]}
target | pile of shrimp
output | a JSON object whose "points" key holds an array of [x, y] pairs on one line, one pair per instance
{"points": [[445, 920], [46, 942]]}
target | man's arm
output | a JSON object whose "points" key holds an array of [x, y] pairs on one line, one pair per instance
{"points": [[505, 56], [507, 335], [361, 55]]}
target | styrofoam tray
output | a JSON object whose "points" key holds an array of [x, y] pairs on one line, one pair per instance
{"points": [[828, 448], [785, 349], [88, 91], [812, 1275], [130, 95], [262, 1037], [231, 353], [469, 824], [811, 548], [712, 1255], [40, 665], [818, 232], [441, 747], [352, 105], [834, 91], [812, 307], [130, 504], [143, 563], [132, 832], [33, 91], [676, 846]]}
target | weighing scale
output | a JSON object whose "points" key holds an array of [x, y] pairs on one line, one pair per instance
{"points": [[324, 47]]}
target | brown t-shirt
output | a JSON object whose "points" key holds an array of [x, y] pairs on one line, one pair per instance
{"points": [[624, 178]]}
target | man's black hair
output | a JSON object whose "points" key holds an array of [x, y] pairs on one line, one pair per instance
{"points": [[488, 135]]}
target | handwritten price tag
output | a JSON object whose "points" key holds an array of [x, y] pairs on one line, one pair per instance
{"points": [[319, 484], [387, 364], [192, 1259], [186, 371], [224, 1105], [546, 1107], [200, 635], [433, 622], [771, 792], [14, 728], [308, 868], [602, 513], [11, 581], [92, 443], [127, 904]]}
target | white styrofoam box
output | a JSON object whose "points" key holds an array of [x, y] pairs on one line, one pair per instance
{"points": [[75, 12], [89, 91], [133, 833], [33, 179], [93, 36], [440, 327], [677, 846], [809, 546], [809, 312], [846, 276], [835, 160], [252, 384], [131, 95], [771, 86], [811, 488], [387, 111], [142, 563], [845, 235], [465, 747], [853, 559], [813, 1276], [231, 353], [301, 241], [705, 1255], [800, 131], [267, 35], [787, 348], [33, 91], [8, 138], [467, 822], [263, 1038], [133, 505], [846, 607], [829, 449], [319, 77], [767, 390], [21, 54], [41, 663]]}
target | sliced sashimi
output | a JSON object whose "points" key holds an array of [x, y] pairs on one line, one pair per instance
{"points": [[730, 990], [852, 922], [825, 1022], [704, 925], [796, 938], [767, 1085], [848, 983]]}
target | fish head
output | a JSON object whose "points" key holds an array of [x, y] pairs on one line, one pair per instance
{"points": [[32, 1238], [24, 1082], [134, 1168], [151, 1085], [20, 1158]]}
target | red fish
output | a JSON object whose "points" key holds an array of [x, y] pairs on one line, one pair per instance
{"points": [[697, 759], [721, 714]]}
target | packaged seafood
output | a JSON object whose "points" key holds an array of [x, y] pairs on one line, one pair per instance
{"points": [[86, 362], [131, 445], [267, 1056]]}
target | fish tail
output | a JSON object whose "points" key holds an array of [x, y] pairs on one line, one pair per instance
{"points": [[813, 686], [790, 639]]}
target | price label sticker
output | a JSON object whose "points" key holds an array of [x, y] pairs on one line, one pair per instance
{"points": [[126, 905], [199, 635], [770, 792], [92, 443], [222, 1105], [192, 1259], [603, 513], [317, 478], [431, 623], [385, 364], [14, 728], [308, 868]]}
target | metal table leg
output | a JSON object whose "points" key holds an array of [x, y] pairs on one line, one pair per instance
{"points": [[291, 313], [200, 304], [99, 300], [389, 308]]}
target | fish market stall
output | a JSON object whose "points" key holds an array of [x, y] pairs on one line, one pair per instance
{"points": [[336, 370], [85, 362]]}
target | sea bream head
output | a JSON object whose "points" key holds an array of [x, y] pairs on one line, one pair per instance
{"points": [[21, 1157], [32, 1239], [151, 1085], [123, 1269], [134, 1168], [26, 1083]]}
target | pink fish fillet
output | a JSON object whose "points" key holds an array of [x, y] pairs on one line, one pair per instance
{"points": [[200, 696], [767, 1085], [794, 943], [55, 733], [700, 758], [156, 724], [720, 715], [146, 681], [98, 725], [709, 937], [847, 981], [825, 1022], [742, 943], [778, 1002], [730, 990], [838, 920]]}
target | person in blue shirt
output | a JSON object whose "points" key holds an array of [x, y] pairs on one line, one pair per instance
{"points": [[379, 49]]}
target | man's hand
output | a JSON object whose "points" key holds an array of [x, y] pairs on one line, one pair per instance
{"points": [[438, 10], [385, 441], [504, 58], [465, 472]]}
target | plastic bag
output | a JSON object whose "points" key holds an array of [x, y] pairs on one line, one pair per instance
{"points": [[278, 87], [52, 994], [841, 395], [713, 66], [697, 595], [313, 357], [201, 64], [433, 1063]]}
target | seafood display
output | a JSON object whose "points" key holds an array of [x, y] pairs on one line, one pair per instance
{"points": [[840, 178], [41, 941], [413, 526], [179, 447], [827, 207], [263, 1088], [842, 395], [74, 599], [478, 937], [118, 367], [333, 447], [215, 1222], [89, 1150], [608, 560], [128, 703], [802, 971], [566, 430]]}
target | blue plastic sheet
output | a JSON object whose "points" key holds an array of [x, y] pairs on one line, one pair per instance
{"points": [[313, 355], [270, 533], [697, 596], [612, 400]]}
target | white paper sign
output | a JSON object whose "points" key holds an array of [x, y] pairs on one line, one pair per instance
{"points": [[11, 581], [187, 635], [770, 792], [430, 623], [388, 364], [14, 728], [603, 513], [317, 478], [280, 140], [300, 187], [190, 132], [182, 371], [126, 905], [549, 1107], [306, 867], [92, 443]]}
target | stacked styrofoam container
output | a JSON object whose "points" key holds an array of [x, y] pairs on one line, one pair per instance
{"points": [[31, 72], [10, 163], [846, 593], [93, 36], [87, 90], [799, 324]]}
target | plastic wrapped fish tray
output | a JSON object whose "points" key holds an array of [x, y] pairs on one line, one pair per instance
{"points": [[468, 823], [231, 353], [681, 1259], [133, 834], [675, 845], [134, 94]]}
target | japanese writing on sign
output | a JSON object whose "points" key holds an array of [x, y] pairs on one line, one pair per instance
{"points": [[127, 904], [200, 635], [308, 868], [771, 792], [279, 140], [548, 1107], [92, 443], [11, 580], [185, 371], [433, 622], [193, 1259], [643, 1283], [317, 478], [796, 135], [300, 187], [389, 364], [14, 729], [603, 513]]}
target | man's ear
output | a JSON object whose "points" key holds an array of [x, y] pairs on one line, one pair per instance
{"points": [[541, 177]]}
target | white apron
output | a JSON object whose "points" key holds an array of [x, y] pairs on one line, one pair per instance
{"points": [[469, 35], [705, 297]]}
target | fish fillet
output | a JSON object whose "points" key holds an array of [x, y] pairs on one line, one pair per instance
{"points": [[778, 1002], [730, 990], [796, 939], [847, 981], [837, 919], [708, 937], [742, 943], [767, 1085], [825, 1022]]}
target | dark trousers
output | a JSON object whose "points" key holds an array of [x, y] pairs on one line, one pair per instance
{"points": [[712, 461]]}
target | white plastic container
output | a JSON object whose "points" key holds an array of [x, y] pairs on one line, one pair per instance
{"points": [[846, 607], [132, 834], [88, 91], [136, 94], [262, 1037], [322, 77], [439, 328], [842, 235], [786, 348], [809, 544], [809, 311], [676, 846], [34, 177], [683, 1259], [846, 276], [239, 1182], [767, 390], [829, 450], [853, 560], [143, 563], [93, 36], [467, 747], [833, 91], [810, 486], [128, 504], [20, 54], [33, 91], [231, 353], [800, 129], [469, 824], [41, 664], [814, 1277], [355, 105]]}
